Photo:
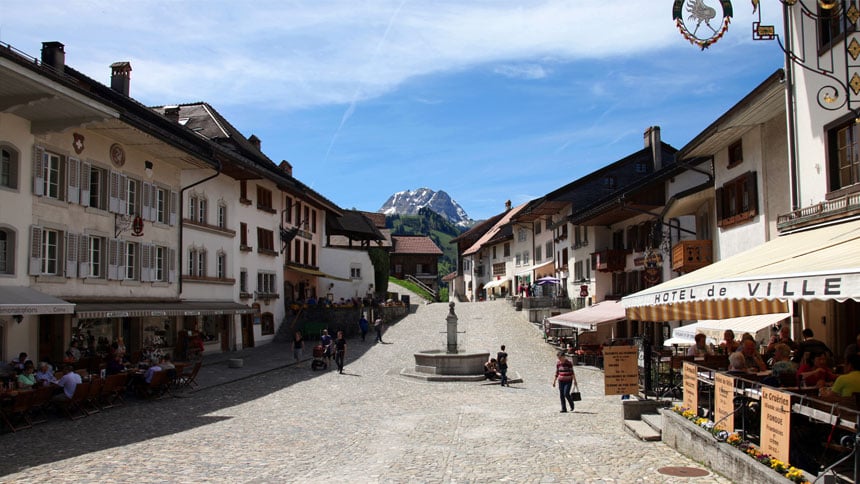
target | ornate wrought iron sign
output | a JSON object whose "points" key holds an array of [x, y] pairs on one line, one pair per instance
{"points": [[698, 21]]}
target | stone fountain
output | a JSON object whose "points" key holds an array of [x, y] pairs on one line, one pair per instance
{"points": [[450, 364]]}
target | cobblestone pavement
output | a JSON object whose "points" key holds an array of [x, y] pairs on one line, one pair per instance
{"points": [[275, 421]]}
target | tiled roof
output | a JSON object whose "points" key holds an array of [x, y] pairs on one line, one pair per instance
{"points": [[450, 277], [414, 244], [377, 218], [497, 230]]}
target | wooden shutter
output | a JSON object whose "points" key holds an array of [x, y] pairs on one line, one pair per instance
{"points": [[39, 160], [123, 194], [113, 259], [751, 189], [84, 256], [173, 205], [718, 202], [72, 254], [35, 250], [113, 192], [73, 177], [86, 168], [146, 208], [171, 264]]}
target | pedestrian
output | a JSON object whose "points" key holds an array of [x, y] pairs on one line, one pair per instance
{"points": [[377, 325], [364, 326], [298, 346], [339, 351], [502, 360], [325, 341], [566, 378]]}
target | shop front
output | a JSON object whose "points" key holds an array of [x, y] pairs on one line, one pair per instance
{"points": [[20, 308]]}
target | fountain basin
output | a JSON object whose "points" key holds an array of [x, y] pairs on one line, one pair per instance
{"points": [[441, 362]]}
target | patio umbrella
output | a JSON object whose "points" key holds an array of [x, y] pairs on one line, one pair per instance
{"points": [[548, 280]]}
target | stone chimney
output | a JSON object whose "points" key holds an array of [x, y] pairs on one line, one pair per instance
{"points": [[120, 77], [254, 140], [54, 55], [652, 140], [286, 167], [172, 113], [507, 205]]}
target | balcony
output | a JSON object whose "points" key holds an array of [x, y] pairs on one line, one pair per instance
{"points": [[609, 260], [827, 211], [689, 255]]}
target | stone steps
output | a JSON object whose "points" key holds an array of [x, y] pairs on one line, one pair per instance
{"points": [[642, 430]]}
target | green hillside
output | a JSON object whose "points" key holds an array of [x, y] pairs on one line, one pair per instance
{"points": [[431, 224]]}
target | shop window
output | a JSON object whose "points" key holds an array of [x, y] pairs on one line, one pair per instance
{"points": [[737, 200], [267, 324], [9, 165]]}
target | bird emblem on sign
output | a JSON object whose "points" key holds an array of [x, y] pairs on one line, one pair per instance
{"points": [[695, 20]]}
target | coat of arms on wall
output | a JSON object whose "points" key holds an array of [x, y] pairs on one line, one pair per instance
{"points": [[698, 21]]}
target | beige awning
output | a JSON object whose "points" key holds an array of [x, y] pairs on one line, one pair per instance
{"points": [[132, 309], [819, 264], [24, 300], [758, 326], [314, 272], [589, 318], [496, 283]]}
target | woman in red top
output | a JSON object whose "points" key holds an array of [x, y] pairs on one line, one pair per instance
{"points": [[814, 370], [566, 378], [729, 344]]}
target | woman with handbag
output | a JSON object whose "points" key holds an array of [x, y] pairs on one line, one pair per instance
{"points": [[566, 379]]}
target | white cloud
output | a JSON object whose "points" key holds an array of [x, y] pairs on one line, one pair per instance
{"points": [[526, 71]]}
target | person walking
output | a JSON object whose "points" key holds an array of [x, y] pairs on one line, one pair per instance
{"points": [[339, 351], [377, 325], [502, 360], [566, 378], [298, 346], [364, 326]]}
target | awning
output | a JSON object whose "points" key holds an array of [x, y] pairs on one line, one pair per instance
{"points": [[131, 309], [604, 312], [24, 300], [819, 264], [496, 283], [314, 272], [547, 269], [758, 326]]}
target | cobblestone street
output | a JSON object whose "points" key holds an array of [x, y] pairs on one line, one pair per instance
{"points": [[273, 421]]}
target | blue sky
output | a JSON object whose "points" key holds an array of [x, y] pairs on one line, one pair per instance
{"points": [[487, 100]]}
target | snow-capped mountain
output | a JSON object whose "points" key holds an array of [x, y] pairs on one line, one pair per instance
{"points": [[409, 202]]}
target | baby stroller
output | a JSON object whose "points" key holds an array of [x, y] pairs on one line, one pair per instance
{"points": [[319, 362]]}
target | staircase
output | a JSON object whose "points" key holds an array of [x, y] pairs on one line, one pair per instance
{"points": [[642, 420]]}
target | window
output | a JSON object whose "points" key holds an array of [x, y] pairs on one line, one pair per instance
{"points": [[243, 235], [197, 208], [52, 174], [844, 155], [538, 253], [96, 255], [355, 272], [288, 210], [737, 200], [160, 264], [7, 251], [130, 258], [192, 208], [314, 221], [736, 154], [526, 255], [132, 194], [305, 253], [243, 281], [8, 167], [608, 181], [537, 227], [521, 235], [221, 265], [494, 252], [222, 216], [265, 240], [264, 199], [160, 205], [197, 262], [98, 187], [50, 252], [580, 236], [641, 167], [266, 283], [548, 248], [518, 259], [267, 323], [243, 192], [314, 255], [202, 209], [830, 27], [201, 263], [507, 249]]}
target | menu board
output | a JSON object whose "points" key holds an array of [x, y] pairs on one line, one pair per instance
{"points": [[620, 370], [724, 402], [691, 386], [775, 420]]}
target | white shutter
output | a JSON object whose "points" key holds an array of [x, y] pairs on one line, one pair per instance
{"points": [[123, 195], [73, 175], [113, 259], [145, 262], [113, 192], [84, 256], [72, 254], [174, 202], [146, 198], [85, 183], [121, 259], [39, 160], [35, 250], [171, 264]]}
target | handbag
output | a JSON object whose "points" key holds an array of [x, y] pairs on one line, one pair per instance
{"points": [[575, 395]]}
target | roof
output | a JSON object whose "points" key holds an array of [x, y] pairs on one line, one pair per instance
{"points": [[414, 244], [450, 276], [377, 218], [496, 231], [353, 224], [479, 229]]}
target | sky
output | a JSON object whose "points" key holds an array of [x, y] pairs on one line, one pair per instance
{"points": [[488, 100]]}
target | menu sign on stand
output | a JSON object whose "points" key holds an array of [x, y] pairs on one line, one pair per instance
{"points": [[724, 402], [775, 419], [691, 386], [620, 370]]}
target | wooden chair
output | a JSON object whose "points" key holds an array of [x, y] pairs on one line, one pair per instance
{"points": [[157, 387], [113, 388], [90, 404], [16, 416], [73, 407], [41, 403], [188, 379]]}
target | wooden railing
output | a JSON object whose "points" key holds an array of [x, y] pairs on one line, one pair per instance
{"points": [[689, 255]]}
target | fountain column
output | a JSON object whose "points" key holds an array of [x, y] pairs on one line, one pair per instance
{"points": [[452, 329]]}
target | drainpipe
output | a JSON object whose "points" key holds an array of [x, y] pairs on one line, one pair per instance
{"points": [[180, 215], [791, 112]]}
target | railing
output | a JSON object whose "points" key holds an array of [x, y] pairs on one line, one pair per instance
{"points": [[417, 282], [609, 260], [689, 255], [820, 212]]}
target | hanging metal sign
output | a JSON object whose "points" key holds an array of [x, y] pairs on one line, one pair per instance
{"points": [[698, 22]]}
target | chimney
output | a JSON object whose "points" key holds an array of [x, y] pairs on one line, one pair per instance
{"points": [[286, 167], [652, 140], [54, 55], [507, 205], [120, 77], [254, 140], [172, 113]]}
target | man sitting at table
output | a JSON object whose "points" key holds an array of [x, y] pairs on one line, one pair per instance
{"points": [[701, 347], [751, 356], [845, 385], [156, 366], [737, 363], [45, 375], [68, 383]]}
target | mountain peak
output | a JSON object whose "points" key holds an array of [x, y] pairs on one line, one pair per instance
{"points": [[409, 202]]}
